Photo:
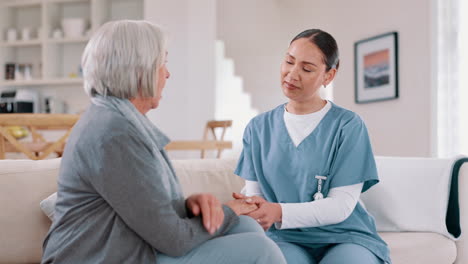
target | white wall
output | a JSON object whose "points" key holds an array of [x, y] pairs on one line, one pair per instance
{"points": [[188, 99], [256, 37]]}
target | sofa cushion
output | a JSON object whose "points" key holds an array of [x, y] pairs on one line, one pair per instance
{"points": [[24, 184], [427, 248]]}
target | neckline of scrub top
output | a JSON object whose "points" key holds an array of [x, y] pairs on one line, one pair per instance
{"points": [[289, 139]]}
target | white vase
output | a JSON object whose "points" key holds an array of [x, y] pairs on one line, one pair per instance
{"points": [[73, 27]]}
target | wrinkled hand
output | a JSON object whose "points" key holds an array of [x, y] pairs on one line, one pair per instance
{"points": [[266, 214], [241, 207], [210, 209]]}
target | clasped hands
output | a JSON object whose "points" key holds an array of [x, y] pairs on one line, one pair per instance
{"points": [[266, 213], [209, 207]]}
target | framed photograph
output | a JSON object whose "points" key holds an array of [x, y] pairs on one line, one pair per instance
{"points": [[376, 68]]}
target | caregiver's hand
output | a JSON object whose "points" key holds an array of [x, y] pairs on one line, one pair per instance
{"points": [[241, 207], [266, 214], [210, 209]]}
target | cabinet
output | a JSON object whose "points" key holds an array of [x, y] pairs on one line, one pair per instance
{"points": [[51, 57]]}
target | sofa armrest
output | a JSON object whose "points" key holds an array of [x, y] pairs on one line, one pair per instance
{"points": [[462, 243]]}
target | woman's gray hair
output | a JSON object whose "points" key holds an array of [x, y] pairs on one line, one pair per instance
{"points": [[122, 59]]}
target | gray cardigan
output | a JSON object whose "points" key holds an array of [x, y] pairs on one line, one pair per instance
{"points": [[112, 206]]}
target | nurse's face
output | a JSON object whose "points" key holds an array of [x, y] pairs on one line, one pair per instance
{"points": [[303, 71]]}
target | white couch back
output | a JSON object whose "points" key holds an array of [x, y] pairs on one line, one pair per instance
{"points": [[209, 175]]}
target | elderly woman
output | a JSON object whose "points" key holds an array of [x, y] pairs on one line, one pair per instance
{"points": [[306, 163], [119, 200]]}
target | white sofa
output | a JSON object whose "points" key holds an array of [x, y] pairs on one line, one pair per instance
{"points": [[24, 183]]}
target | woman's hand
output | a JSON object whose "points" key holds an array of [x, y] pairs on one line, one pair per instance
{"points": [[266, 214], [210, 209], [241, 207], [249, 199]]}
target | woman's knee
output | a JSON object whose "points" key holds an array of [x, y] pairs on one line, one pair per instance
{"points": [[350, 253], [246, 224], [250, 247], [295, 254], [264, 249]]}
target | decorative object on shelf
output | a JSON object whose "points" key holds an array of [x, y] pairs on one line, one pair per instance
{"points": [[57, 33], [26, 34], [27, 74], [73, 27], [376, 68], [23, 72], [19, 69], [12, 35], [10, 71], [54, 106]]}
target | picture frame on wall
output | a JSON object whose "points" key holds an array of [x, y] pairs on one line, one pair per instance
{"points": [[376, 68]]}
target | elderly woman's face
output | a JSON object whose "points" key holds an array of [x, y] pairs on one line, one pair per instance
{"points": [[303, 71], [163, 74]]}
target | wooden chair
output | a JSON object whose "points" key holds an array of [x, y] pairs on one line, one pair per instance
{"points": [[211, 126], [205, 144], [39, 148]]}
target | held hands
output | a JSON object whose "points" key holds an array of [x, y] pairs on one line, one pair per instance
{"points": [[210, 209], [266, 214], [241, 206]]}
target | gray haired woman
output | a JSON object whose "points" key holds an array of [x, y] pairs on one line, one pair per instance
{"points": [[119, 200]]}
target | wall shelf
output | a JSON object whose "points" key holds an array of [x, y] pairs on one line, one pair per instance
{"points": [[53, 60], [68, 40], [21, 43], [66, 1], [41, 82], [25, 3]]}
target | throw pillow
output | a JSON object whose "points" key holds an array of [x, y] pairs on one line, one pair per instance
{"points": [[48, 206]]}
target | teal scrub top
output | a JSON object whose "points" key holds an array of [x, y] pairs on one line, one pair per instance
{"points": [[339, 148]]}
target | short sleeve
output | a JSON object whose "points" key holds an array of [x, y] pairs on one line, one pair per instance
{"points": [[354, 160], [245, 166]]}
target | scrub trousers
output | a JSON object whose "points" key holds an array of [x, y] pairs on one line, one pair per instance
{"points": [[346, 253], [244, 243]]}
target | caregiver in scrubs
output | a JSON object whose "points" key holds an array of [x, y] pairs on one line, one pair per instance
{"points": [[307, 161]]}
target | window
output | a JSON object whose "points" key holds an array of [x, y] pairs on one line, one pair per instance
{"points": [[452, 77]]}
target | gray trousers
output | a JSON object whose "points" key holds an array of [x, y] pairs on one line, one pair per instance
{"points": [[245, 243]]}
